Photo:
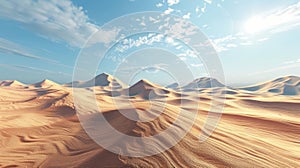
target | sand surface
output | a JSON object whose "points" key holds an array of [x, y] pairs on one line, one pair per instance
{"points": [[39, 128]]}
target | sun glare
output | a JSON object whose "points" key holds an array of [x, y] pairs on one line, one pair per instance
{"points": [[254, 25]]}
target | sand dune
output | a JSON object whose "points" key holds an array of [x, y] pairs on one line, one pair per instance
{"points": [[203, 83], [103, 80], [173, 86], [288, 85], [11, 83], [146, 90], [45, 84], [39, 127]]}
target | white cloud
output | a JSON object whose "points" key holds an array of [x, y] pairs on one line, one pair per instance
{"points": [[187, 16], [208, 1], [159, 5], [104, 36], [203, 9], [172, 8], [187, 53], [247, 43], [172, 2], [235, 40], [292, 61], [205, 26], [183, 58], [147, 40], [143, 40], [153, 20], [169, 40], [263, 39], [169, 11], [196, 65], [223, 43], [231, 45], [53, 19], [197, 9], [181, 30]]}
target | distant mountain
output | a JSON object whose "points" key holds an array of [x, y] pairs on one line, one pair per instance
{"points": [[203, 83], [104, 80], [146, 90], [173, 86], [289, 85], [11, 83]]}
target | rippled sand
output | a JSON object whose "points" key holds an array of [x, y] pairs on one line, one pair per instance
{"points": [[39, 128]]}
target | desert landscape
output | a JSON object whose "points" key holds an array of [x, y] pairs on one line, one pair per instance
{"points": [[149, 84], [260, 124]]}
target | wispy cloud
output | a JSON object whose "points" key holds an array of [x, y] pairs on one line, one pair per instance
{"points": [[22, 68], [292, 62], [56, 20], [40, 70], [9, 47], [278, 69], [284, 66], [275, 21]]}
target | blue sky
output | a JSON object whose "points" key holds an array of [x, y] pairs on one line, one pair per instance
{"points": [[255, 40]]}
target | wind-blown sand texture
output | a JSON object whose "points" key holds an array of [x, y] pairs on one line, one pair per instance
{"points": [[39, 126]]}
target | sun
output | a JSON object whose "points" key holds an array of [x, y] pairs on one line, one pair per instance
{"points": [[254, 25]]}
